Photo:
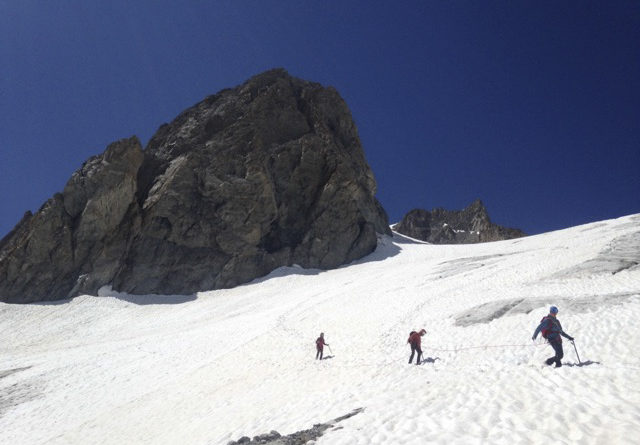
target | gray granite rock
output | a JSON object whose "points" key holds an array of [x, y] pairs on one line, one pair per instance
{"points": [[440, 226], [77, 240], [299, 437], [267, 174]]}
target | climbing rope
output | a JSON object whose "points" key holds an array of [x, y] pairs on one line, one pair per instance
{"points": [[464, 348]]}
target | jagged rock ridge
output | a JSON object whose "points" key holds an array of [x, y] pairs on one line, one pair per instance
{"points": [[467, 226], [267, 174]]}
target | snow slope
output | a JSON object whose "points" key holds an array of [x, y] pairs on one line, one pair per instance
{"points": [[212, 367]]}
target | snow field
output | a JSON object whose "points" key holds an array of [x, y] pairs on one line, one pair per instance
{"points": [[210, 368]]}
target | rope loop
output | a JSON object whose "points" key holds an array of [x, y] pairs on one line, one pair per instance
{"points": [[464, 348]]}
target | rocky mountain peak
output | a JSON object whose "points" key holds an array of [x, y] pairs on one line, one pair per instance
{"points": [[469, 225], [267, 174]]}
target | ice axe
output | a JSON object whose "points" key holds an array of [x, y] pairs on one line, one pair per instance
{"points": [[576, 349]]}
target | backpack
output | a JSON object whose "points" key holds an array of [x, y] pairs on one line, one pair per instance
{"points": [[546, 330]]}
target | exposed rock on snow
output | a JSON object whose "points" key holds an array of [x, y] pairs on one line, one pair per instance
{"points": [[463, 265], [488, 312], [440, 226], [18, 393], [623, 253], [297, 438], [8, 372], [267, 174]]}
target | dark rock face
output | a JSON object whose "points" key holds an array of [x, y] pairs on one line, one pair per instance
{"points": [[77, 238], [268, 174], [440, 226], [298, 438]]}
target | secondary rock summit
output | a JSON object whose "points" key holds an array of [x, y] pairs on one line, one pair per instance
{"points": [[267, 174], [440, 226]]}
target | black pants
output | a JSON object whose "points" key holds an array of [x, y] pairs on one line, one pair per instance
{"points": [[319, 353], [556, 344], [415, 349]]}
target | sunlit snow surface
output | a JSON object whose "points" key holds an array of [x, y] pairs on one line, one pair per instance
{"points": [[212, 367]]}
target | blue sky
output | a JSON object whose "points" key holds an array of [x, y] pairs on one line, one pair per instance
{"points": [[531, 106]]}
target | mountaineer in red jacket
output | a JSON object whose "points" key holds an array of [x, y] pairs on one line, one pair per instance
{"points": [[415, 340], [319, 346], [552, 330]]}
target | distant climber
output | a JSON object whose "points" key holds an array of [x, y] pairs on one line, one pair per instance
{"points": [[552, 330], [320, 345], [415, 340]]}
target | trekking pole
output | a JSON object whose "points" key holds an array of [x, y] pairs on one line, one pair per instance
{"points": [[576, 349], [332, 351]]}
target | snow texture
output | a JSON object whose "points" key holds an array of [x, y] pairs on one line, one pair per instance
{"points": [[212, 367]]}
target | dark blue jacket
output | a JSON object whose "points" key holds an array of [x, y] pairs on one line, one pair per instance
{"points": [[553, 327]]}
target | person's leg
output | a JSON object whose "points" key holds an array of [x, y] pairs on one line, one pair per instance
{"points": [[551, 360], [321, 349], [413, 351], [318, 352], [557, 347], [559, 354], [419, 359]]}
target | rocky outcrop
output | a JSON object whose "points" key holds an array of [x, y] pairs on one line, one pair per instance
{"points": [[298, 438], [440, 226], [267, 174], [78, 238]]}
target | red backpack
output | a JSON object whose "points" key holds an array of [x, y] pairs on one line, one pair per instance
{"points": [[546, 330]]}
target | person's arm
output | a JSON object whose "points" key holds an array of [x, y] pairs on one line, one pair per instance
{"points": [[538, 329], [565, 335]]}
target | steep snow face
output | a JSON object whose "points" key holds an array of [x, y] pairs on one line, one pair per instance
{"points": [[211, 367]]}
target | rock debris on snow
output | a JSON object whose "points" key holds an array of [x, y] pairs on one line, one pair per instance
{"points": [[297, 438]]}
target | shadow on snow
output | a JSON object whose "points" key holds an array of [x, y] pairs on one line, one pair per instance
{"points": [[581, 364]]}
